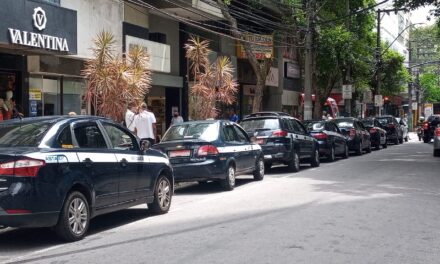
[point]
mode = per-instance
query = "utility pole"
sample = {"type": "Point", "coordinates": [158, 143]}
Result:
{"type": "Point", "coordinates": [378, 60]}
{"type": "Point", "coordinates": [410, 84]}
{"type": "Point", "coordinates": [348, 70]}
{"type": "Point", "coordinates": [308, 67]}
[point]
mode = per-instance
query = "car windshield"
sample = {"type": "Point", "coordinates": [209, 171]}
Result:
{"type": "Point", "coordinates": [344, 123]}
{"type": "Point", "coordinates": [202, 131]}
{"type": "Point", "coordinates": [23, 134]}
{"type": "Point", "coordinates": [260, 123]}
{"type": "Point", "coordinates": [314, 126]}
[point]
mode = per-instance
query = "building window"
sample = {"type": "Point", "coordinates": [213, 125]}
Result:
{"type": "Point", "coordinates": [56, 2]}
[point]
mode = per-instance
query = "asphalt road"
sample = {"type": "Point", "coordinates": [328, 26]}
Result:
{"type": "Point", "coordinates": [382, 207]}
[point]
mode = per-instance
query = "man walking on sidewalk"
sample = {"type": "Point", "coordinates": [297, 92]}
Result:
{"type": "Point", "coordinates": [145, 124]}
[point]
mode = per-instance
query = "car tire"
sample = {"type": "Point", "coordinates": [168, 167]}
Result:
{"type": "Point", "coordinates": [401, 140]}
{"type": "Point", "coordinates": [359, 149]}
{"type": "Point", "coordinates": [436, 152]}
{"type": "Point", "coordinates": [315, 159]}
{"type": "Point", "coordinates": [377, 147]}
{"type": "Point", "coordinates": [331, 156]}
{"type": "Point", "coordinates": [346, 152]}
{"type": "Point", "coordinates": [74, 219]}
{"type": "Point", "coordinates": [369, 148]}
{"type": "Point", "coordinates": [259, 170]}
{"type": "Point", "coordinates": [294, 164]}
{"type": "Point", "coordinates": [163, 193]}
{"type": "Point", "coordinates": [406, 139]}
{"type": "Point", "coordinates": [229, 182]}
{"type": "Point", "coordinates": [386, 143]}
{"type": "Point", "coordinates": [396, 141]}
{"type": "Point", "coordinates": [267, 166]}
{"type": "Point", "coordinates": [426, 139]}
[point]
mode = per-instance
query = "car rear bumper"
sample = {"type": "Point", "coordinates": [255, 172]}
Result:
{"type": "Point", "coordinates": [375, 139]}
{"type": "Point", "coordinates": [46, 219]}
{"type": "Point", "coordinates": [208, 169]}
{"type": "Point", "coordinates": [276, 152]}
{"type": "Point", "coordinates": [437, 143]}
{"type": "Point", "coordinates": [353, 144]}
{"type": "Point", "coordinates": [324, 148]}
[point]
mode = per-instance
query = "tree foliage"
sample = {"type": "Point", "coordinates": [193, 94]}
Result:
{"type": "Point", "coordinates": [430, 84]}
{"type": "Point", "coordinates": [213, 82]}
{"type": "Point", "coordinates": [394, 75]}
{"type": "Point", "coordinates": [114, 81]}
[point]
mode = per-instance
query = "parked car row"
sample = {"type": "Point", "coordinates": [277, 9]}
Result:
{"type": "Point", "coordinates": [60, 172]}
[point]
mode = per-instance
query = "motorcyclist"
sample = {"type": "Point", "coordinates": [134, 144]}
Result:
{"type": "Point", "coordinates": [420, 128]}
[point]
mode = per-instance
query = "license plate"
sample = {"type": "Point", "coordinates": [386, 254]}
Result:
{"type": "Point", "coordinates": [179, 153]}
{"type": "Point", "coordinates": [260, 141]}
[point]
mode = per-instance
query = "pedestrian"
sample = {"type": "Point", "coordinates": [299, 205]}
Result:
{"type": "Point", "coordinates": [145, 124]}
{"type": "Point", "coordinates": [233, 116]}
{"type": "Point", "coordinates": [324, 115]}
{"type": "Point", "coordinates": [329, 117]}
{"type": "Point", "coordinates": [130, 115]}
{"type": "Point", "coordinates": [177, 119]}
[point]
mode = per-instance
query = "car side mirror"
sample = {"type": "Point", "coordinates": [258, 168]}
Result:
{"type": "Point", "coordinates": [145, 145]}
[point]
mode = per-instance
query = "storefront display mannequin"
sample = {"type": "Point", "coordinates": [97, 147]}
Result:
{"type": "Point", "coordinates": [9, 104]}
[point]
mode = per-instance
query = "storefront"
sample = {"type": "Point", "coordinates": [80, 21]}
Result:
{"type": "Point", "coordinates": [35, 72]}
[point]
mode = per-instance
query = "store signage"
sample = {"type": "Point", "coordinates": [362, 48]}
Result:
{"type": "Point", "coordinates": [262, 46]}
{"type": "Point", "coordinates": [160, 54]}
{"type": "Point", "coordinates": [291, 70]}
{"type": "Point", "coordinates": [378, 101]}
{"type": "Point", "coordinates": [38, 25]}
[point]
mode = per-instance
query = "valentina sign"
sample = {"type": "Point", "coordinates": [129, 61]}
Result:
{"type": "Point", "coordinates": [38, 40]}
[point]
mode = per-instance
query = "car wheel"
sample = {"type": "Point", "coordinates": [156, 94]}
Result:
{"type": "Point", "coordinates": [74, 218]}
{"type": "Point", "coordinates": [163, 193]}
{"type": "Point", "coordinates": [369, 147]}
{"type": "Point", "coordinates": [331, 156]}
{"type": "Point", "coordinates": [426, 139]}
{"type": "Point", "coordinates": [386, 143]}
{"type": "Point", "coordinates": [259, 170]}
{"type": "Point", "coordinates": [359, 149]}
{"type": "Point", "coordinates": [229, 182]}
{"type": "Point", "coordinates": [346, 152]}
{"type": "Point", "coordinates": [293, 164]}
{"type": "Point", "coordinates": [315, 159]}
{"type": "Point", "coordinates": [267, 166]}
{"type": "Point", "coordinates": [401, 140]}
{"type": "Point", "coordinates": [436, 152]}
{"type": "Point", "coordinates": [406, 139]}
{"type": "Point", "coordinates": [396, 141]}
{"type": "Point", "coordinates": [377, 147]}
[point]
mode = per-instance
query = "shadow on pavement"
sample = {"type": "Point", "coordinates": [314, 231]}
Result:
{"type": "Point", "coordinates": [208, 187]}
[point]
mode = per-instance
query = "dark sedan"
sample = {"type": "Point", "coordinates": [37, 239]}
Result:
{"type": "Point", "coordinates": [61, 171]}
{"type": "Point", "coordinates": [378, 135]}
{"type": "Point", "coordinates": [394, 131]}
{"type": "Point", "coordinates": [211, 150]}
{"type": "Point", "coordinates": [331, 140]}
{"type": "Point", "coordinates": [357, 135]}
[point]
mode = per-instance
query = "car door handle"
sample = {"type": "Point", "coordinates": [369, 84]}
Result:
{"type": "Point", "coordinates": [124, 162]}
{"type": "Point", "coordinates": [88, 162]}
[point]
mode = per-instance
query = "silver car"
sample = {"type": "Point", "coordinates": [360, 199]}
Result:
{"type": "Point", "coordinates": [437, 142]}
{"type": "Point", "coordinates": [404, 127]}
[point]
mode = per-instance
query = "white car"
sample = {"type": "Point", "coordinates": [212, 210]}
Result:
{"type": "Point", "coordinates": [437, 142]}
{"type": "Point", "coordinates": [404, 127]}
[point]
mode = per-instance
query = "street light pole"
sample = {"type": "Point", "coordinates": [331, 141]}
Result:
{"type": "Point", "coordinates": [378, 60]}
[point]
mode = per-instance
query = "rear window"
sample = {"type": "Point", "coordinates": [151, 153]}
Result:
{"type": "Point", "coordinates": [260, 123]}
{"type": "Point", "coordinates": [384, 120]}
{"type": "Point", "coordinates": [23, 134]}
{"type": "Point", "coordinates": [202, 131]}
{"type": "Point", "coordinates": [344, 123]}
{"type": "Point", "coordinates": [317, 126]}
{"type": "Point", "coordinates": [368, 122]}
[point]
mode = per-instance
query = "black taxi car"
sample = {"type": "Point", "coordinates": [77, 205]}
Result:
{"type": "Point", "coordinates": [211, 150]}
{"type": "Point", "coordinates": [284, 139]}
{"type": "Point", "coordinates": [62, 171]}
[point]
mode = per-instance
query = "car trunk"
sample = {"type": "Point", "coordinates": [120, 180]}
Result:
{"type": "Point", "coordinates": [9, 155]}
{"type": "Point", "coordinates": [182, 151]}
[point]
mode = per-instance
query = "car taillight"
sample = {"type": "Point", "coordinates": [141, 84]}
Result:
{"type": "Point", "coordinates": [279, 133]}
{"type": "Point", "coordinates": [373, 130]}
{"type": "Point", "coordinates": [426, 125]}
{"type": "Point", "coordinates": [207, 150]}
{"type": "Point", "coordinates": [352, 133]}
{"type": "Point", "coordinates": [21, 168]}
{"type": "Point", "coordinates": [437, 132]}
{"type": "Point", "coordinates": [320, 136]}
{"type": "Point", "coordinates": [391, 126]}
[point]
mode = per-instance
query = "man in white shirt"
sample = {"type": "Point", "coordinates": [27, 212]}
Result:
{"type": "Point", "coordinates": [145, 124]}
{"type": "Point", "coordinates": [130, 116]}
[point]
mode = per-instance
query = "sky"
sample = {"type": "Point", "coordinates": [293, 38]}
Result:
{"type": "Point", "coordinates": [419, 16]}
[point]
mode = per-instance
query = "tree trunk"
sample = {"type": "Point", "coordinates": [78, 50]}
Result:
{"type": "Point", "coordinates": [261, 69]}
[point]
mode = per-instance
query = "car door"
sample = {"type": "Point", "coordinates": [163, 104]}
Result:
{"type": "Point", "coordinates": [133, 179]}
{"type": "Point", "coordinates": [364, 134]}
{"type": "Point", "coordinates": [97, 161]}
{"type": "Point", "coordinates": [306, 141]}
{"type": "Point", "coordinates": [232, 147]}
{"type": "Point", "coordinates": [338, 139]}
{"type": "Point", "coordinates": [249, 157]}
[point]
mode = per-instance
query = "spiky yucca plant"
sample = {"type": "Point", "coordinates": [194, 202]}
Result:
{"type": "Point", "coordinates": [213, 83]}
{"type": "Point", "coordinates": [114, 81]}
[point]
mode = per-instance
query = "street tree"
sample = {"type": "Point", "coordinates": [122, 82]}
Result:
{"type": "Point", "coordinates": [213, 83]}
{"type": "Point", "coordinates": [114, 81]}
{"type": "Point", "coordinates": [430, 85]}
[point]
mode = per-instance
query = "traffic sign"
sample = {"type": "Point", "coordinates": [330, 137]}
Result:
{"type": "Point", "coordinates": [347, 92]}
{"type": "Point", "coordinates": [378, 101]}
